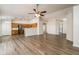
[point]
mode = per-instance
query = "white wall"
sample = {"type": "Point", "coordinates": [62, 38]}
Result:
{"type": "Point", "coordinates": [52, 25]}
{"type": "Point", "coordinates": [0, 28]}
{"type": "Point", "coordinates": [40, 26]}
{"type": "Point", "coordinates": [6, 27]}
{"type": "Point", "coordinates": [76, 26]}
{"type": "Point", "coordinates": [21, 21]}
{"type": "Point", "coordinates": [69, 26]}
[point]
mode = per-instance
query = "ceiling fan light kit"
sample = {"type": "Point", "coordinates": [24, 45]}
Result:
{"type": "Point", "coordinates": [37, 15]}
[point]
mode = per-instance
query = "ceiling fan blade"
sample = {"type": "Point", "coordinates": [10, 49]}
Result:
{"type": "Point", "coordinates": [43, 11]}
{"type": "Point", "coordinates": [34, 10]}
{"type": "Point", "coordinates": [41, 14]}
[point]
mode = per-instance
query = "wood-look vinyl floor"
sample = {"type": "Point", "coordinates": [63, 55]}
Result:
{"type": "Point", "coordinates": [36, 45]}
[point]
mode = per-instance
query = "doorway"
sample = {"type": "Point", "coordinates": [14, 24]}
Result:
{"type": "Point", "coordinates": [60, 28]}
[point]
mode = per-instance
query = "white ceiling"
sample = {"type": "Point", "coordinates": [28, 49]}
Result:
{"type": "Point", "coordinates": [24, 9]}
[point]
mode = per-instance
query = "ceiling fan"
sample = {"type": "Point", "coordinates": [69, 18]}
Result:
{"type": "Point", "coordinates": [37, 12]}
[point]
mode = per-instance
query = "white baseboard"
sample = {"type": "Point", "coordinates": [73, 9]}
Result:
{"type": "Point", "coordinates": [69, 39]}
{"type": "Point", "coordinates": [53, 33]}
